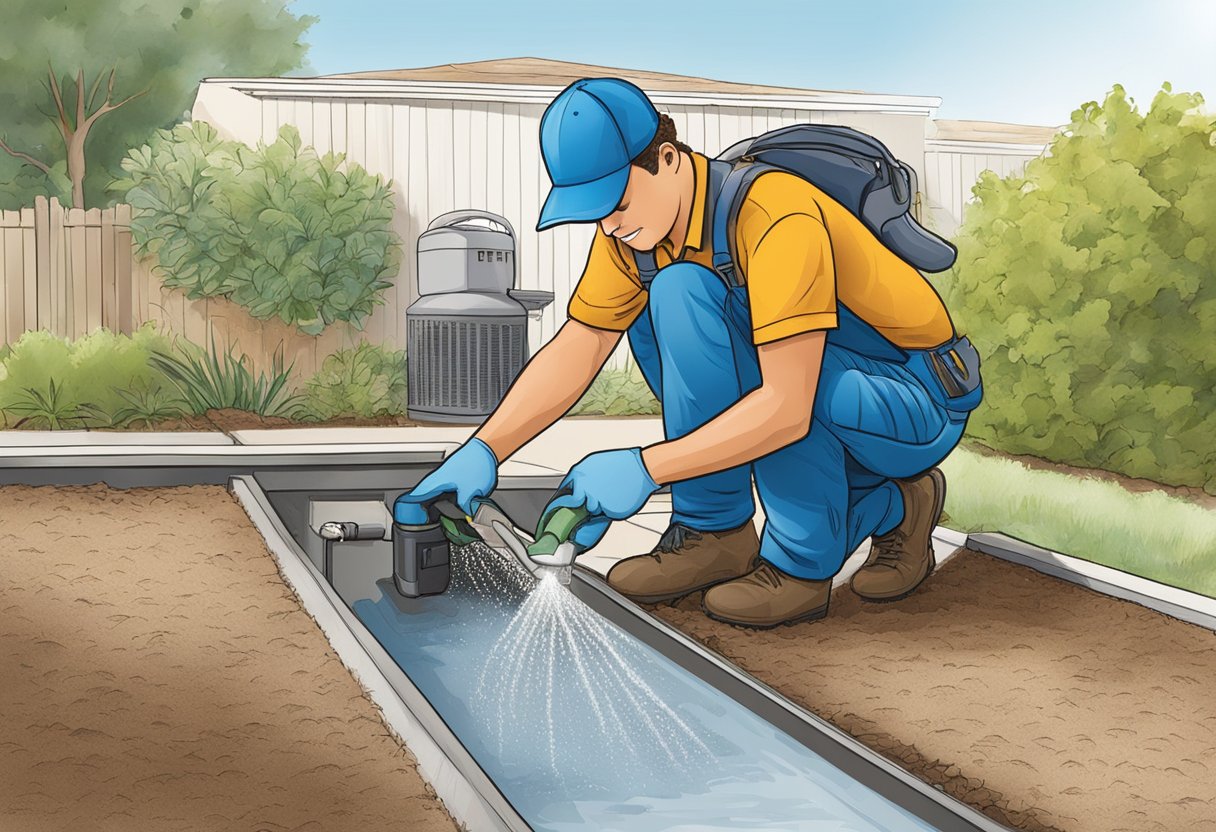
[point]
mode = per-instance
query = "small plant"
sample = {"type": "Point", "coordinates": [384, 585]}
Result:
{"type": "Point", "coordinates": [367, 381]}
{"type": "Point", "coordinates": [207, 382]}
{"type": "Point", "coordinates": [50, 409]}
{"type": "Point", "coordinates": [146, 407]}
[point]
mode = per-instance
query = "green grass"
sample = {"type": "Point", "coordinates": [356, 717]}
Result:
{"type": "Point", "coordinates": [1151, 534]}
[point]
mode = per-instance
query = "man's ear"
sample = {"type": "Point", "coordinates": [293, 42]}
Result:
{"type": "Point", "coordinates": [669, 156]}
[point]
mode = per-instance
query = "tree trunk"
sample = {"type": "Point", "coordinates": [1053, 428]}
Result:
{"type": "Point", "coordinates": [76, 167]}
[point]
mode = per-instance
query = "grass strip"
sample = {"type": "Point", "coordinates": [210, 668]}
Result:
{"type": "Point", "coordinates": [1150, 534]}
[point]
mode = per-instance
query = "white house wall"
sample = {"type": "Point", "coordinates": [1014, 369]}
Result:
{"type": "Point", "coordinates": [953, 168]}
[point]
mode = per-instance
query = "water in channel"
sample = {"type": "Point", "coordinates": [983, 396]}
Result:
{"type": "Point", "coordinates": [582, 727]}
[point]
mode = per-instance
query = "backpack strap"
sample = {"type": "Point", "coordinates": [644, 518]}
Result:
{"type": "Point", "coordinates": [735, 185]}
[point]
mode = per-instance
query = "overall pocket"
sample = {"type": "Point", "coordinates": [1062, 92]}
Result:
{"type": "Point", "coordinates": [951, 374]}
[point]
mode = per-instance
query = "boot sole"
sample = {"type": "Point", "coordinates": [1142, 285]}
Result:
{"type": "Point", "coordinates": [813, 615]}
{"type": "Point", "coordinates": [681, 595]}
{"type": "Point", "coordinates": [938, 508]}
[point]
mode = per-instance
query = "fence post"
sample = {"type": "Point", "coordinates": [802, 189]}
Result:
{"type": "Point", "coordinates": [59, 256]}
{"type": "Point", "coordinates": [42, 240]}
{"type": "Point", "coordinates": [109, 287]}
{"type": "Point", "coordinates": [29, 252]}
{"type": "Point", "coordinates": [123, 273]}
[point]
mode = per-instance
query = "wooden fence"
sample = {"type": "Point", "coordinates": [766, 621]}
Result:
{"type": "Point", "coordinates": [71, 271]}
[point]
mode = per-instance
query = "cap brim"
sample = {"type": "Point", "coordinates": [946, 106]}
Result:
{"type": "Point", "coordinates": [584, 202]}
{"type": "Point", "coordinates": [920, 247]}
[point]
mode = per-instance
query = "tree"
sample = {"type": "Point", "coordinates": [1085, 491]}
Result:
{"type": "Point", "coordinates": [83, 82]}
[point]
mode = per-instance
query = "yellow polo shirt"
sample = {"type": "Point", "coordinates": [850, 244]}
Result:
{"type": "Point", "coordinates": [798, 251]}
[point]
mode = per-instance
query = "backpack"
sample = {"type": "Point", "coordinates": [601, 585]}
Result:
{"type": "Point", "coordinates": [853, 168]}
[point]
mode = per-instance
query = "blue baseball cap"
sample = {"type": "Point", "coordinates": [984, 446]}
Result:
{"type": "Point", "coordinates": [588, 136]}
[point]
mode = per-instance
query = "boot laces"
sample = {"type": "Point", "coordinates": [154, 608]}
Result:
{"type": "Point", "coordinates": [887, 549]}
{"type": "Point", "coordinates": [675, 537]}
{"type": "Point", "coordinates": [767, 575]}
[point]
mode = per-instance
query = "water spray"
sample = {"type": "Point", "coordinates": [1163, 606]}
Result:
{"type": "Point", "coordinates": [423, 534]}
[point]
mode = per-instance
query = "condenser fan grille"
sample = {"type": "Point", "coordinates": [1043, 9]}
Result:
{"type": "Point", "coordinates": [462, 366]}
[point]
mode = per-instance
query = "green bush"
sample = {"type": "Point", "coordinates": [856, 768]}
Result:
{"type": "Point", "coordinates": [52, 382]}
{"type": "Point", "coordinates": [275, 229]}
{"type": "Point", "coordinates": [618, 392]}
{"type": "Point", "coordinates": [1088, 285]}
{"type": "Point", "coordinates": [367, 381]}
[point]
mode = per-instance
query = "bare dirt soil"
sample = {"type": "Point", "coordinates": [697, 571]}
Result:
{"type": "Point", "coordinates": [157, 673]}
{"type": "Point", "coordinates": [1045, 705]}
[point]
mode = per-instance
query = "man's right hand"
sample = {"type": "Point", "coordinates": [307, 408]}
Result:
{"type": "Point", "coordinates": [471, 472]}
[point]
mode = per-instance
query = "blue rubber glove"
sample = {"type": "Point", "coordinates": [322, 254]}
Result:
{"type": "Point", "coordinates": [471, 472]}
{"type": "Point", "coordinates": [612, 485]}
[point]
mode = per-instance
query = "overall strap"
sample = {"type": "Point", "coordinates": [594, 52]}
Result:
{"type": "Point", "coordinates": [647, 268]}
{"type": "Point", "coordinates": [719, 173]}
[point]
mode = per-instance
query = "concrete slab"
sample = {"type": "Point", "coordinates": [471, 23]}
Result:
{"type": "Point", "coordinates": [327, 436]}
{"type": "Point", "coordinates": [100, 438]}
{"type": "Point", "coordinates": [560, 446]}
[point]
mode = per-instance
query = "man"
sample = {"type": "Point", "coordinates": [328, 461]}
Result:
{"type": "Point", "coordinates": [841, 439]}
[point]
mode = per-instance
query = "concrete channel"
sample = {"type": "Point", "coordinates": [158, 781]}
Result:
{"type": "Point", "coordinates": [280, 488]}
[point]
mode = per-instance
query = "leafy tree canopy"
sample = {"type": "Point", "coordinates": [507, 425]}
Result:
{"type": "Point", "coordinates": [158, 51]}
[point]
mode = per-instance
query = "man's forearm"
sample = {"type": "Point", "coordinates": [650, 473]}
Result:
{"type": "Point", "coordinates": [772, 416]}
{"type": "Point", "coordinates": [549, 385]}
{"type": "Point", "coordinates": [750, 428]}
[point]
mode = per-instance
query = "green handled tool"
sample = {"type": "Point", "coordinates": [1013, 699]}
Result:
{"type": "Point", "coordinates": [552, 551]}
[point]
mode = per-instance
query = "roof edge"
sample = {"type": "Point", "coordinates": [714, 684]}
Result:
{"type": "Point", "coordinates": [323, 87]}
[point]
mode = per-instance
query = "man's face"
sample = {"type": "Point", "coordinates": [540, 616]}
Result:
{"type": "Point", "coordinates": [651, 203]}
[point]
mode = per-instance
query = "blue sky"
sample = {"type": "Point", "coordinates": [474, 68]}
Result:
{"type": "Point", "coordinates": [1029, 61]}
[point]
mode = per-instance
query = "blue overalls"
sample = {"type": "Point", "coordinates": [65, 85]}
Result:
{"type": "Point", "coordinates": [879, 412]}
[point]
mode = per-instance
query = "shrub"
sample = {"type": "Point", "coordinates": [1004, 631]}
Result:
{"type": "Point", "coordinates": [205, 381]}
{"type": "Point", "coordinates": [618, 392]}
{"type": "Point", "coordinates": [367, 381]}
{"type": "Point", "coordinates": [275, 229]}
{"type": "Point", "coordinates": [1089, 286]}
{"type": "Point", "coordinates": [59, 383]}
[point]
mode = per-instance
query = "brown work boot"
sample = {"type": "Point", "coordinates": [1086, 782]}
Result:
{"type": "Point", "coordinates": [686, 560]}
{"type": "Point", "coordinates": [901, 559]}
{"type": "Point", "coordinates": [767, 597]}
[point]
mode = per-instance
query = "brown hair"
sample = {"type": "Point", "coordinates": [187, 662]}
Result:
{"type": "Point", "coordinates": [649, 158]}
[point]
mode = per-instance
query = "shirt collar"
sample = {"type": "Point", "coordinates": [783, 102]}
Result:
{"type": "Point", "coordinates": [694, 236]}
